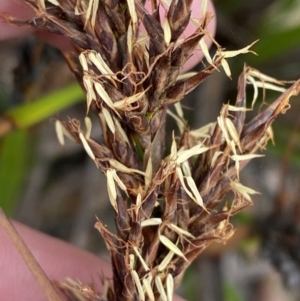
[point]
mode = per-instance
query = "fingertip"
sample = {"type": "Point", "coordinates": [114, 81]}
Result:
{"type": "Point", "coordinates": [197, 14]}
{"type": "Point", "coordinates": [61, 42]}
{"type": "Point", "coordinates": [17, 9]}
{"type": "Point", "coordinates": [58, 259]}
{"type": "Point", "coordinates": [21, 11]}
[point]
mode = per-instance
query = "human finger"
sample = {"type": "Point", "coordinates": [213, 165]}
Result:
{"type": "Point", "coordinates": [57, 258]}
{"type": "Point", "coordinates": [20, 10]}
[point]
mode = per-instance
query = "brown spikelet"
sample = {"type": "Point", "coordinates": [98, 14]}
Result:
{"type": "Point", "coordinates": [169, 203]}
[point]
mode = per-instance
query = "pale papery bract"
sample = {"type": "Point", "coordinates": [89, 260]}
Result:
{"type": "Point", "coordinates": [170, 202]}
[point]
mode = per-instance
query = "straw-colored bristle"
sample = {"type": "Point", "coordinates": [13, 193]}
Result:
{"type": "Point", "coordinates": [168, 201]}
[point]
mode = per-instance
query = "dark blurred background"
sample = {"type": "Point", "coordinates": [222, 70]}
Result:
{"type": "Point", "coordinates": [59, 191]}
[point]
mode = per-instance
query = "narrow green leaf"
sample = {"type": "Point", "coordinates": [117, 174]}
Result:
{"type": "Point", "coordinates": [30, 113]}
{"type": "Point", "coordinates": [14, 156]}
{"type": "Point", "coordinates": [271, 46]}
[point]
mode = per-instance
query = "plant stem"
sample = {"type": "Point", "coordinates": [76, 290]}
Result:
{"type": "Point", "coordinates": [29, 259]}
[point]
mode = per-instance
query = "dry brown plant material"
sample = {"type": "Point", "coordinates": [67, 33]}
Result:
{"type": "Point", "coordinates": [168, 208]}
{"type": "Point", "coordinates": [37, 272]}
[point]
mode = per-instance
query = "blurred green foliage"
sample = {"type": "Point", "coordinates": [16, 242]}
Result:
{"type": "Point", "coordinates": [277, 26]}
{"type": "Point", "coordinates": [230, 293]}
{"type": "Point", "coordinates": [15, 148]}
{"type": "Point", "coordinates": [14, 158]}
{"type": "Point", "coordinates": [190, 284]}
{"type": "Point", "coordinates": [28, 114]}
{"type": "Point", "coordinates": [275, 23]}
